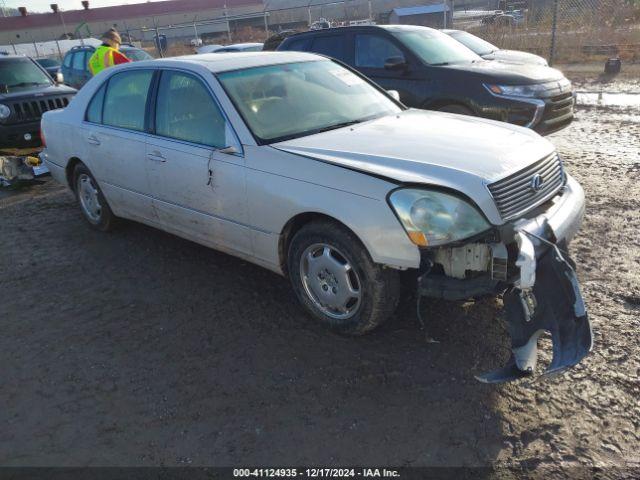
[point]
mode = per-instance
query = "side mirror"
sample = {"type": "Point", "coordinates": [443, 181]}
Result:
{"type": "Point", "coordinates": [59, 78]}
{"type": "Point", "coordinates": [394, 94]}
{"type": "Point", "coordinates": [395, 63]}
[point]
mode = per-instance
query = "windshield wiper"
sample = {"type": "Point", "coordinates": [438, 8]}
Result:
{"type": "Point", "coordinates": [335, 126]}
{"type": "Point", "coordinates": [442, 64]}
{"type": "Point", "coordinates": [306, 133]}
{"type": "Point", "coordinates": [26, 84]}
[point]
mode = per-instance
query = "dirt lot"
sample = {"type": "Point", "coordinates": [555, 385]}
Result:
{"type": "Point", "coordinates": [139, 348]}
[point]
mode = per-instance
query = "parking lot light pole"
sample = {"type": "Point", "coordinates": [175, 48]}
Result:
{"type": "Point", "coordinates": [195, 29]}
{"type": "Point", "coordinates": [126, 29]}
{"type": "Point", "coordinates": [158, 42]}
{"type": "Point", "coordinates": [453, 9]}
{"type": "Point", "coordinates": [226, 16]}
{"type": "Point", "coordinates": [554, 28]}
{"type": "Point", "coordinates": [448, 14]}
{"type": "Point", "coordinates": [64, 25]}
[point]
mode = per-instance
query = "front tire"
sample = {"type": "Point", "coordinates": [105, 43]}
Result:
{"type": "Point", "coordinates": [93, 205]}
{"type": "Point", "coordinates": [337, 282]}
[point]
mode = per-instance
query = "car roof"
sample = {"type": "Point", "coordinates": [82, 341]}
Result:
{"type": "Point", "coordinates": [390, 28]}
{"type": "Point", "coordinates": [235, 45]}
{"type": "Point", "coordinates": [233, 60]}
{"type": "Point", "coordinates": [334, 29]}
{"type": "Point", "coordinates": [8, 56]}
{"type": "Point", "coordinates": [81, 48]}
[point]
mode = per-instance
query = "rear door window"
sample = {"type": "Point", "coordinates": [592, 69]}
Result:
{"type": "Point", "coordinates": [125, 101]}
{"type": "Point", "coordinates": [299, 45]}
{"type": "Point", "coordinates": [94, 111]}
{"type": "Point", "coordinates": [332, 46]}
{"type": "Point", "coordinates": [79, 62]}
{"type": "Point", "coordinates": [372, 51]}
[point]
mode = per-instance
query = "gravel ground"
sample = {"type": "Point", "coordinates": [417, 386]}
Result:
{"type": "Point", "coordinates": [140, 348]}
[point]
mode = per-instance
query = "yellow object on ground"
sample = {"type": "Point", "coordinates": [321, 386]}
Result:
{"type": "Point", "coordinates": [32, 161]}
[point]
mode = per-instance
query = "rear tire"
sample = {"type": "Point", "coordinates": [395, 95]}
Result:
{"type": "Point", "coordinates": [455, 108]}
{"type": "Point", "coordinates": [93, 205]}
{"type": "Point", "coordinates": [337, 282]}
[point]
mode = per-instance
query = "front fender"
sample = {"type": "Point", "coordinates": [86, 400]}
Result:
{"type": "Point", "coordinates": [287, 185]}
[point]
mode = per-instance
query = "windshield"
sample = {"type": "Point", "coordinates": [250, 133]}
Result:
{"type": "Point", "coordinates": [280, 102]}
{"type": "Point", "coordinates": [478, 45]}
{"type": "Point", "coordinates": [21, 73]}
{"type": "Point", "coordinates": [435, 48]}
{"type": "Point", "coordinates": [136, 55]}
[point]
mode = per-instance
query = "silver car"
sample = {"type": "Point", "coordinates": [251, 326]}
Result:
{"type": "Point", "coordinates": [296, 163]}
{"type": "Point", "coordinates": [488, 51]}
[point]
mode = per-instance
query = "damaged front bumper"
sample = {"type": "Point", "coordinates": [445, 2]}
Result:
{"type": "Point", "coordinates": [19, 169]}
{"type": "Point", "coordinates": [528, 263]}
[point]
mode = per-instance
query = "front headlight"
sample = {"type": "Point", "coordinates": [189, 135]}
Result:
{"type": "Point", "coordinates": [436, 218]}
{"type": "Point", "coordinates": [5, 111]}
{"type": "Point", "coordinates": [529, 91]}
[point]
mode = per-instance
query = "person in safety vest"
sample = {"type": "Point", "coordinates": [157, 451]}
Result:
{"type": "Point", "coordinates": [107, 54]}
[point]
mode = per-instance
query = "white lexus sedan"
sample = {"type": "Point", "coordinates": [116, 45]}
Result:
{"type": "Point", "coordinates": [296, 163]}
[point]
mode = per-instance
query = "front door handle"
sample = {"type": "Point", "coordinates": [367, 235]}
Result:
{"type": "Point", "coordinates": [156, 156]}
{"type": "Point", "coordinates": [231, 150]}
{"type": "Point", "coordinates": [93, 140]}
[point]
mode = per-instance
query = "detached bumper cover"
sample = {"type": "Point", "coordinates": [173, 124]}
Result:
{"type": "Point", "coordinates": [555, 304]}
{"type": "Point", "coordinates": [544, 296]}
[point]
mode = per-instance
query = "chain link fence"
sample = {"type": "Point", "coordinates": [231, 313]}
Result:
{"type": "Point", "coordinates": [559, 30]}
{"type": "Point", "coordinates": [564, 31]}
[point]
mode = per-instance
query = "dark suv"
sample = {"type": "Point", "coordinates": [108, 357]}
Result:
{"type": "Point", "coordinates": [433, 71]}
{"type": "Point", "coordinates": [75, 66]}
{"type": "Point", "coordinates": [26, 92]}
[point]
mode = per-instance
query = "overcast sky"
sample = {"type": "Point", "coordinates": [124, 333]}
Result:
{"type": "Point", "coordinates": [43, 5]}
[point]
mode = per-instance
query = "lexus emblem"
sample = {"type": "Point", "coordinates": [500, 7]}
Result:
{"type": "Point", "coordinates": [537, 182]}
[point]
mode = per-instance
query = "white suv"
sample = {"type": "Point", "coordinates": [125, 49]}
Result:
{"type": "Point", "coordinates": [298, 164]}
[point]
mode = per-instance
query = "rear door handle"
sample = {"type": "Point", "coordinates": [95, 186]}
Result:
{"type": "Point", "coordinates": [93, 140]}
{"type": "Point", "coordinates": [156, 157]}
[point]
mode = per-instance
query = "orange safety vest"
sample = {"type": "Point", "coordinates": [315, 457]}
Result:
{"type": "Point", "coordinates": [105, 57]}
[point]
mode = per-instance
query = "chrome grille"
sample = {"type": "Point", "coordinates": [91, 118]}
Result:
{"type": "Point", "coordinates": [515, 194]}
{"type": "Point", "coordinates": [30, 110]}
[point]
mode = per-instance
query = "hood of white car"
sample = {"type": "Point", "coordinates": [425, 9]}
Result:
{"type": "Point", "coordinates": [418, 146]}
{"type": "Point", "coordinates": [515, 56]}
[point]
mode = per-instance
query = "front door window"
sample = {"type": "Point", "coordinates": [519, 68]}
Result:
{"type": "Point", "coordinates": [372, 51]}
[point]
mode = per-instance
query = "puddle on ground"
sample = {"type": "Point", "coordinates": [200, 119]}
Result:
{"type": "Point", "coordinates": [605, 99]}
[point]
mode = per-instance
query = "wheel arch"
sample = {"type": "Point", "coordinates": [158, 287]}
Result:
{"type": "Point", "coordinates": [71, 166]}
{"type": "Point", "coordinates": [296, 223]}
